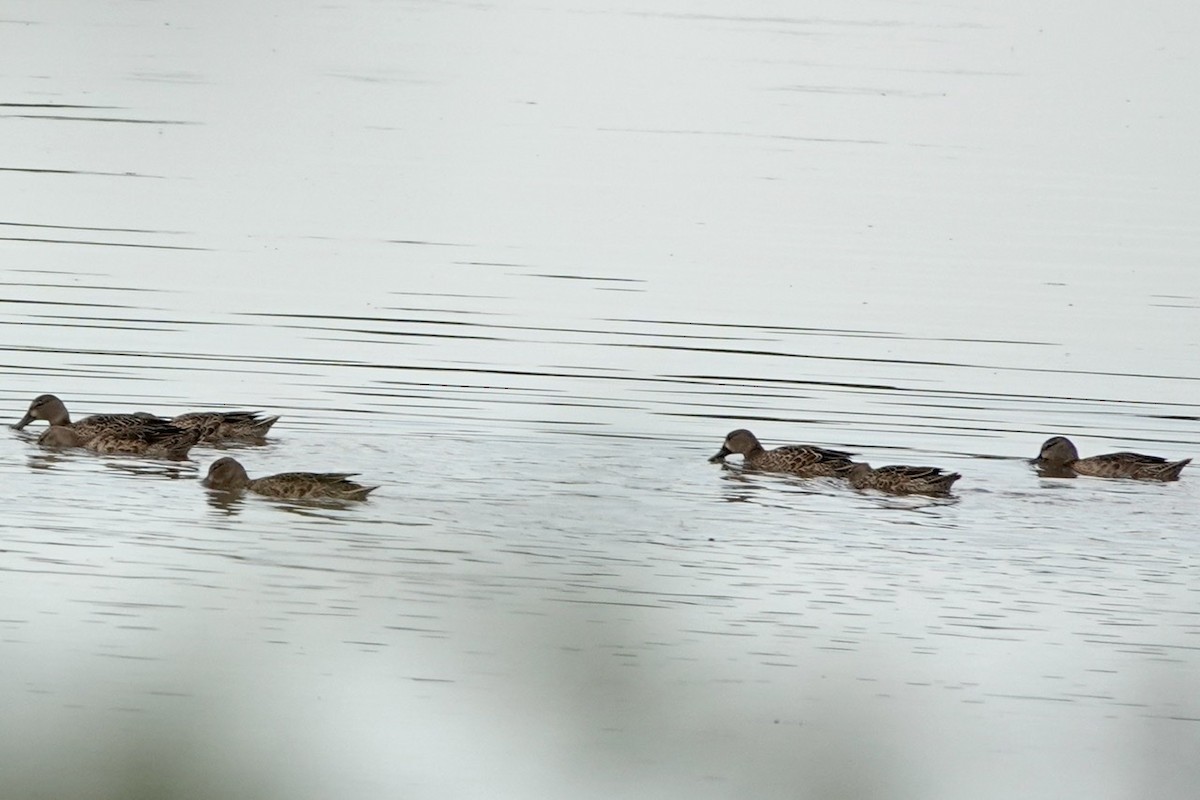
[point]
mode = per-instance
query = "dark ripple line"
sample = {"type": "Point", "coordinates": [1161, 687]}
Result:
{"type": "Point", "coordinates": [516, 373]}
{"type": "Point", "coordinates": [499, 326]}
{"type": "Point", "coordinates": [62, 319]}
{"type": "Point", "coordinates": [416, 334]}
{"type": "Point", "coordinates": [64, 118]}
{"type": "Point", "coordinates": [204, 358]}
{"type": "Point", "coordinates": [605, 603]}
{"type": "Point", "coordinates": [1030, 697]}
{"type": "Point", "coordinates": [99, 244]}
{"type": "Point", "coordinates": [845, 332]}
{"type": "Point", "coordinates": [450, 294]}
{"type": "Point", "coordinates": [906, 423]}
{"type": "Point", "coordinates": [584, 278]}
{"type": "Point", "coordinates": [705, 380]}
{"type": "Point", "coordinates": [83, 228]}
{"type": "Point", "coordinates": [49, 171]}
{"type": "Point", "coordinates": [1116, 640]}
{"type": "Point", "coordinates": [903, 362]}
{"type": "Point", "coordinates": [70, 304]}
{"type": "Point", "coordinates": [54, 105]}
{"type": "Point", "coordinates": [88, 286]}
{"type": "Point", "coordinates": [427, 243]}
{"type": "Point", "coordinates": [853, 332]}
{"type": "Point", "coordinates": [534, 399]}
{"type": "Point", "coordinates": [295, 360]}
{"type": "Point", "coordinates": [96, 325]}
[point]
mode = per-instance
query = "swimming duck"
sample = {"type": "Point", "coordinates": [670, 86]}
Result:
{"type": "Point", "coordinates": [226, 425]}
{"type": "Point", "coordinates": [806, 460]}
{"type": "Point", "coordinates": [229, 475]}
{"type": "Point", "coordinates": [1059, 458]}
{"type": "Point", "coordinates": [52, 410]}
{"type": "Point", "coordinates": [165, 441]}
{"type": "Point", "coordinates": [901, 479]}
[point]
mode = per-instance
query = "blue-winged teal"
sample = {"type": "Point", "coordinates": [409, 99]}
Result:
{"type": "Point", "coordinates": [52, 410]}
{"type": "Point", "coordinates": [164, 441]}
{"type": "Point", "coordinates": [1059, 458]}
{"type": "Point", "coordinates": [249, 426]}
{"type": "Point", "coordinates": [901, 479]}
{"type": "Point", "coordinates": [227, 474]}
{"type": "Point", "coordinates": [807, 460]}
{"type": "Point", "coordinates": [218, 426]}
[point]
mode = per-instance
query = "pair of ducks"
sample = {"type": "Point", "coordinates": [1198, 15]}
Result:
{"type": "Point", "coordinates": [1057, 458]}
{"type": "Point", "coordinates": [144, 434]}
{"type": "Point", "coordinates": [810, 461]}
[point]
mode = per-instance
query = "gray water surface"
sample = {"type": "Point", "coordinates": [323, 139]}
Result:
{"type": "Point", "coordinates": [524, 267]}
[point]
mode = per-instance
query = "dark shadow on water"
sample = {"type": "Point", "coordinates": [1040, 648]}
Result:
{"type": "Point", "coordinates": [1052, 471]}
{"type": "Point", "coordinates": [908, 502]}
{"type": "Point", "coordinates": [247, 443]}
{"type": "Point", "coordinates": [158, 469]}
{"type": "Point", "coordinates": [46, 460]}
{"type": "Point", "coordinates": [231, 504]}
{"type": "Point", "coordinates": [747, 482]}
{"type": "Point", "coordinates": [316, 509]}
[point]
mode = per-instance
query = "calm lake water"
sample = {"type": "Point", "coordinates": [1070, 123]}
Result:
{"type": "Point", "coordinates": [524, 266]}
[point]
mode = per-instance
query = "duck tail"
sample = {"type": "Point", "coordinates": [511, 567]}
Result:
{"type": "Point", "coordinates": [362, 492]}
{"type": "Point", "coordinates": [1172, 469]}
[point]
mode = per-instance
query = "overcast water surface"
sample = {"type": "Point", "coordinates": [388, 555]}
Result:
{"type": "Point", "coordinates": [524, 266]}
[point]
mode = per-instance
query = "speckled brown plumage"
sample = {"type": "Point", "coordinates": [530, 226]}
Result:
{"type": "Point", "coordinates": [227, 425]}
{"type": "Point", "coordinates": [228, 475]}
{"type": "Point", "coordinates": [154, 441]}
{"type": "Point", "coordinates": [51, 409]}
{"type": "Point", "coordinates": [806, 460]}
{"type": "Point", "coordinates": [1059, 457]}
{"type": "Point", "coordinates": [902, 479]}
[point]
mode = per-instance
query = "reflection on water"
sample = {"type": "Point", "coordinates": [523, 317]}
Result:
{"type": "Point", "coordinates": [527, 284]}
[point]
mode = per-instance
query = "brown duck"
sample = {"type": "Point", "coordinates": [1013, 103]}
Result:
{"type": "Point", "coordinates": [49, 408]}
{"type": "Point", "coordinates": [229, 475]}
{"type": "Point", "coordinates": [1059, 458]}
{"type": "Point", "coordinates": [901, 479]}
{"type": "Point", "coordinates": [164, 441]}
{"type": "Point", "coordinates": [806, 460]}
{"type": "Point", "coordinates": [226, 426]}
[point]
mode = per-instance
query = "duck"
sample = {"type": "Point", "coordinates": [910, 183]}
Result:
{"type": "Point", "coordinates": [51, 409]}
{"type": "Point", "coordinates": [1059, 458]}
{"type": "Point", "coordinates": [225, 425]}
{"type": "Point", "coordinates": [902, 479]}
{"type": "Point", "coordinates": [227, 474]}
{"type": "Point", "coordinates": [805, 460]}
{"type": "Point", "coordinates": [165, 441]}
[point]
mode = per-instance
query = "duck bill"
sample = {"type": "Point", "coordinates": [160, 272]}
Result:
{"type": "Point", "coordinates": [720, 456]}
{"type": "Point", "coordinates": [25, 420]}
